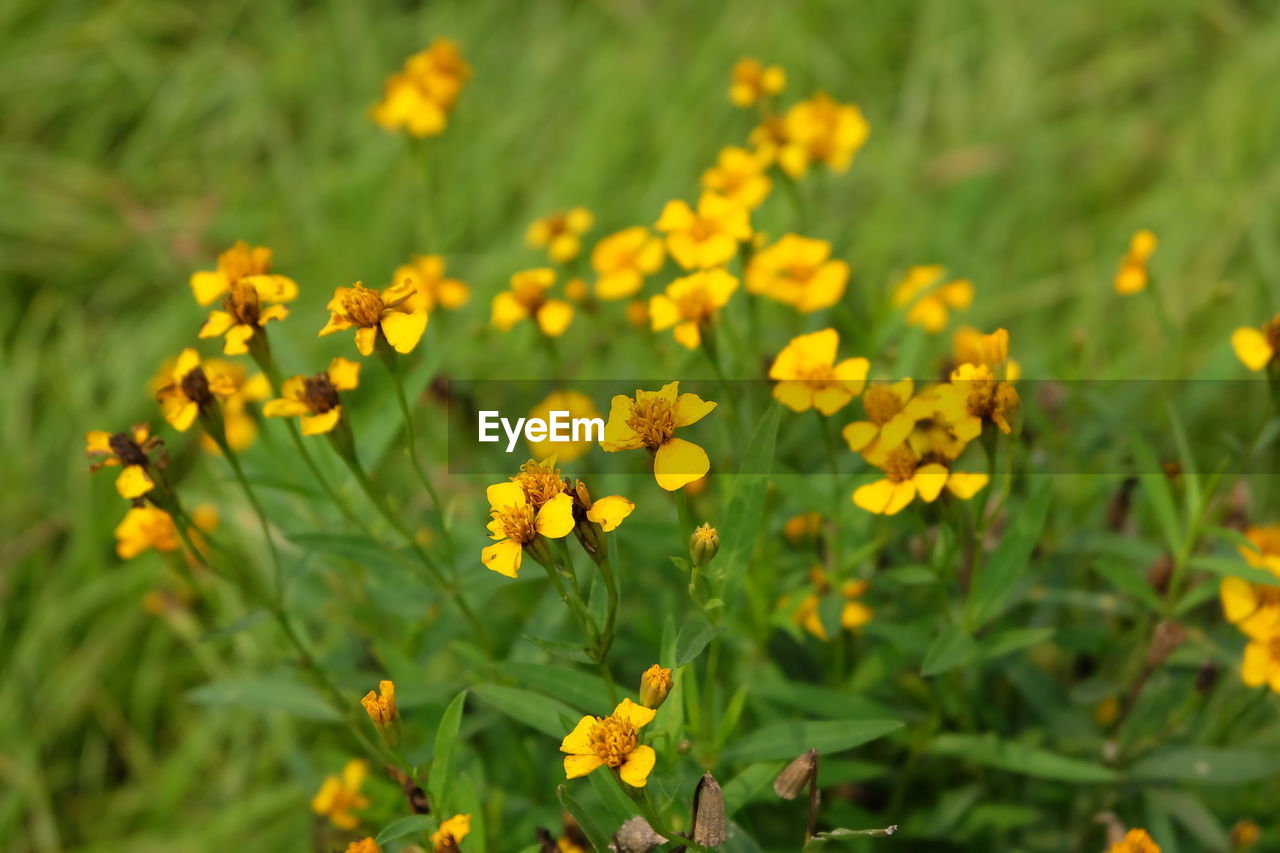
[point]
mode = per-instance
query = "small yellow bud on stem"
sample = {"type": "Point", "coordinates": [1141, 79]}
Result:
{"type": "Point", "coordinates": [703, 545]}
{"type": "Point", "coordinates": [655, 684]}
{"type": "Point", "coordinates": [382, 711]}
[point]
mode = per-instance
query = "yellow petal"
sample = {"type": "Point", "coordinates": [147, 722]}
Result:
{"type": "Point", "coordinates": [208, 286]}
{"type": "Point", "coordinates": [284, 407]}
{"type": "Point", "coordinates": [217, 324]}
{"type": "Point", "coordinates": [617, 434]}
{"type": "Point", "coordinates": [133, 482]}
{"type": "Point", "coordinates": [676, 216]}
{"type": "Point", "coordinates": [344, 375]}
{"type": "Point", "coordinates": [690, 408]}
{"type": "Point", "coordinates": [320, 424]}
{"type": "Point", "coordinates": [503, 557]}
{"type": "Point", "coordinates": [965, 485]}
{"type": "Point", "coordinates": [187, 361]}
{"type": "Point", "coordinates": [507, 310]}
{"type": "Point", "coordinates": [796, 396]}
{"type": "Point", "coordinates": [554, 317]}
{"type": "Point", "coordinates": [237, 340]}
{"type": "Point", "coordinates": [272, 312]}
{"type": "Point", "coordinates": [903, 494]}
{"type": "Point", "coordinates": [337, 323]}
{"type": "Point", "coordinates": [581, 765]}
{"type": "Point", "coordinates": [639, 764]}
{"type": "Point", "coordinates": [688, 334]}
{"type": "Point", "coordinates": [637, 715]}
{"type": "Point", "coordinates": [663, 312]}
{"type": "Point", "coordinates": [179, 411]}
{"type": "Point", "coordinates": [578, 741]}
{"type": "Point", "coordinates": [678, 463]}
{"type": "Point", "coordinates": [929, 480]}
{"type": "Point", "coordinates": [832, 398]}
{"type": "Point", "coordinates": [366, 338]}
{"type": "Point", "coordinates": [1252, 348]}
{"type": "Point", "coordinates": [555, 518]}
{"type": "Point", "coordinates": [505, 494]}
{"type": "Point", "coordinates": [859, 434]}
{"type": "Point", "coordinates": [1255, 668]}
{"type": "Point", "coordinates": [97, 441]}
{"type": "Point", "coordinates": [1238, 600]}
{"type": "Point", "coordinates": [610, 511]}
{"type": "Point", "coordinates": [403, 331]}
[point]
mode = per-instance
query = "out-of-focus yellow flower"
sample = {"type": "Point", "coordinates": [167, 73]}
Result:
{"type": "Point", "coordinates": [242, 263]}
{"type": "Point", "coordinates": [1257, 348]}
{"type": "Point", "coordinates": [809, 377]}
{"type": "Point", "coordinates": [970, 346]}
{"type": "Point", "coordinates": [517, 525]}
{"type": "Point", "coordinates": [1264, 552]}
{"type": "Point", "coordinates": [623, 260]}
{"type": "Point", "coordinates": [655, 685]}
{"type": "Point", "coordinates": [1132, 277]}
{"type": "Point", "coordinates": [650, 420]}
{"type": "Point", "coordinates": [707, 237]}
{"type": "Point", "coordinates": [339, 796]}
{"type": "Point", "coordinates": [1107, 711]}
{"type": "Point", "coordinates": [753, 80]}
{"type": "Point", "coordinates": [433, 288]}
{"type": "Point", "coordinates": [975, 397]}
{"type": "Point", "coordinates": [130, 451]}
{"type": "Point", "coordinates": [891, 415]}
{"type": "Point", "coordinates": [450, 832]}
{"type": "Point", "coordinates": [239, 423]}
{"type": "Point", "coordinates": [578, 405]}
{"type": "Point", "coordinates": [1244, 835]}
{"type": "Point", "coordinates": [193, 387]}
{"type": "Point", "coordinates": [575, 289]}
{"type": "Point", "coordinates": [315, 399]}
{"type": "Point", "coordinates": [1255, 608]}
{"type": "Point", "coordinates": [739, 175]}
{"type": "Point", "coordinates": [612, 742]}
{"type": "Point", "coordinates": [908, 474]}
{"type": "Point", "coordinates": [803, 527]}
{"type": "Point", "coordinates": [393, 311]}
{"type": "Point", "coordinates": [419, 97]}
{"type": "Point", "coordinates": [1135, 841]}
{"type": "Point", "coordinates": [931, 300]}
{"type": "Point", "coordinates": [383, 713]}
{"type": "Point", "coordinates": [560, 233]}
{"type": "Point", "coordinates": [243, 314]}
{"type": "Point", "coordinates": [528, 298]}
{"type": "Point", "coordinates": [799, 272]}
{"type": "Point", "coordinates": [1261, 663]}
{"type": "Point", "coordinates": [853, 614]}
{"type": "Point", "coordinates": [364, 845]}
{"type": "Point", "coordinates": [143, 528]}
{"type": "Point", "coordinates": [690, 303]}
{"type": "Point", "coordinates": [638, 314]}
{"type": "Point", "coordinates": [819, 130]}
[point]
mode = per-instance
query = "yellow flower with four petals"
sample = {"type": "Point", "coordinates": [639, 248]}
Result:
{"type": "Point", "coordinates": [315, 399]}
{"type": "Point", "coordinates": [650, 420]}
{"type": "Point", "coordinates": [391, 314]}
{"type": "Point", "coordinates": [612, 742]}
{"type": "Point", "coordinates": [809, 377]}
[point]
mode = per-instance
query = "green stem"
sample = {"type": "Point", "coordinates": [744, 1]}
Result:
{"type": "Point", "coordinates": [605, 640]}
{"type": "Point", "coordinates": [277, 568]}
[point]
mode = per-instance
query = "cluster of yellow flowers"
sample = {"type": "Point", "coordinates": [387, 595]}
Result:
{"type": "Point", "coordinates": [1254, 608]}
{"type": "Point", "coordinates": [419, 97]}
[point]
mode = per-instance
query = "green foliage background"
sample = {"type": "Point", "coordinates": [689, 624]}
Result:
{"type": "Point", "coordinates": [1019, 143]}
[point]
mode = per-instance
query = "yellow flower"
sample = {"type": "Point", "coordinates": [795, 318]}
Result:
{"type": "Point", "coordinates": [434, 290]}
{"type": "Point", "coordinates": [243, 315]}
{"type": "Point", "coordinates": [650, 420]}
{"type": "Point", "coordinates": [809, 378]}
{"type": "Point", "coordinates": [739, 175]}
{"type": "Point", "coordinates": [1261, 663]}
{"type": "Point", "coordinates": [381, 706]}
{"type": "Point", "coordinates": [560, 233]}
{"type": "Point", "coordinates": [930, 300]}
{"type": "Point", "coordinates": [420, 96]}
{"type": "Point", "coordinates": [339, 796]}
{"type": "Point", "coordinates": [799, 528]}
{"type": "Point", "coordinates": [1132, 276]}
{"type": "Point", "coordinates": [1265, 550]}
{"type": "Point", "coordinates": [314, 399]}
{"type": "Point", "coordinates": [517, 523]}
{"type": "Point", "coordinates": [192, 388]}
{"type": "Point", "coordinates": [1253, 608]}
{"type": "Point", "coordinates": [393, 311]}
{"type": "Point", "coordinates": [364, 845]}
{"type": "Point", "coordinates": [528, 298]}
{"type": "Point", "coordinates": [853, 614]}
{"type": "Point", "coordinates": [451, 831]}
{"type": "Point", "coordinates": [612, 742]}
{"type": "Point", "coordinates": [974, 397]}
{"type": "Point", "coordinates": [575, 289]}
{"type": "Point", "coordinates": [970, 346]}
{"type": "Point", "coordinates": [690, 303]}
{"type": "Point", "coordinates": [606, 513]}
{"type": "Point", "coordinates": [1257, 348]}
{"type": "Point", "coordinates": [129, 450]}
{"type": "Point", "coordinates": [1135, 841]}
{"type": "Point", "coordinates": [799, 272]}
{"type": "Point", "coordinates": [655, 685]}
{"type": "Point", "coordinates": [240, 425]}
{"type": "Point", "coordinates": [145, 527]}
{"type": "Point", "coordinates": [821, 130]}
{"type": "Point", "coordinates": [753, 80]}
{"type": "Point", "coordinates": [242, 263]}
{"type": "Point", "coordinates": [578, 405]}
{"type": "Point", "coordinates": [707, 237]}
{"type": "Point", "coordinates": [623, 259]}
{"type": "Point", "coordinates": [891, 415]}
{"type": "Point", "coordinates": [909, 474]}
{"type": "Point", "coordinates": [1244, 835]}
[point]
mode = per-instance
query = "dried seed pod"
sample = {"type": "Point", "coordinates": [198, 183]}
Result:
{"type": "Point", "coordinates": [1167, 637]}
{"type": "Point", "coordinates": [636, 836]}
{"type": "Point", "coordinates": [708, 813]}
{"type": "Point", "coordinates": [796, 775]}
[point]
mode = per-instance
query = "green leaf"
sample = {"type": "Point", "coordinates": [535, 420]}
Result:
{"type": "Point", "coordinates": [1234, 568]}
{"type": "Point", "coordinates": [1013, 640]}
{"type": "Point", "coordinates": [582, 690]}
{"type": "Point", "coordinates": [446, 742]}
{"type": "Point", "coordinates": [995, 578]}
{"type": "Point", "coordinates": [1155, 485]}
{"type": "Point", "coordinates": [1128, 578]}
{"type": "Point", "coordinates": [568, 651]}
{"type": "Point", "coordinates": [533, 709]}
{"type": "Point", "coordinates": [693, 638]}
{"type": "Point", "coordinates": [1020, 758]}
{"type": "Point", "coordinates": [1190, 811]}
{"type": "Point", "coordinates": [950, 649]}
{"type": "Point", "coordinates": [358, 549]}
{"type": "Point", "coordinates": [597, 835]}
{"type": "Point", "coordinates": [406, 826]}
{"type": "Point", "coordinates": [745, 509]}
{"type": "Point", "coordinates": [787, 740]}
{"type": "Point", "coordinates": [265, 694]}
{"type": "Point", "coordinates": [751, 785]}
{"type": "Point", "coordinates": [251, 618]}
{"type": "Point", "coordinates": [1207, 764]}
{"type": "Point", "coordinates": [619, 805]}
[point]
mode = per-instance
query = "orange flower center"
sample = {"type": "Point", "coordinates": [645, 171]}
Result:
{"type": "Point", "coordinates": [195, 387]}
{"type": "Point", "coordinates": [320, 394]}
{"type": "Point", "coordinates": [881, 404]}
{"type": "Point", "coordinates": [900, 465]}
{"type": "Point", "coordinates": [541, 482]}
{"type": "Point", "coordinates": [517, 522]}
{"type": "Point", "coordinates": [243, 303]}
{"type": "Point", "coordinates": [126, 449]}
{"type": "Point", "coordinates": [363, 306]}
{"type": "Point", "coordinates": [613, 739]}
{"type": "Point", "coordinates": [654, 420]}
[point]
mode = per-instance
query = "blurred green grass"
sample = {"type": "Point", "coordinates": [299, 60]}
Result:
{"type": "Point", "coordinates": [1018, 143]}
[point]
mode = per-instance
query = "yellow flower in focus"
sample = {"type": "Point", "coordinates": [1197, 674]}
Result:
{"type": "Point", "coordinates": [931, 301]}
{"type": "Point", "coordinates": [578, 405]}
{"type": "Point", "coordinates": [339, 796]}
{"type": "Point", "coordinates": [419, 97]}
{"type": "Point", "coordinates": [803, 527]}
{"type": "Point", "coordinates": [891, 415]}
{"type": "Point", "coordinates": [655, 685]}
{"type": "Point", "coordinates": [690, 303]}
{"type": "Point", "coordinates": [242, 263]}
{"type": "Point", "coordinates": [799, 272]}
{"type": "Point", "coordinates": [753, 80]}
{"type": "Point", "coordinates": [1257, 348]}
{"type": "Point", "coordinates": [315, 399]}
{"type": "Point", "coordinates": [970, 346]}
{"type": "Point", "coordinates": [193, 388]}
{"type": "Point", "coordinates": [364, 845]}
{"type": "Point", "coordinates": [426, 273]}
{"type": "Point", "coordinates": [809, 377]}
{"type": "Point", "coordinates": [143, 528]}
{"type": "Point", "coordinates": [450, 832]}
{"type": "Point", "coordinates": [853, 613]}
{"type": "Point", "coordinates": [607, 512]}
{"type": "Point", "coordinates": [909, 474]}
{"type": "Point", "coordinates": [739, 175]}
{"type": "Point", "coordinates": [130, 451]}
{"type": "Point", "coordinates": [1132, 276]}
{"type": "Point", "coordinates": [394, 312]}
{"type": "Point", "coordinates": [650, 420]}
{"type": "Point", "coordinates": [623, 260]}
{"type": "Point", "coordinates": [516, 524]}
{"type": "Point", "coordinates": [707, 237]}
{"type": "Point", "coordinates": [821, 130]}
{"type": "Point", "coordinates": [975, 397]}
{"type": "Point", "coordinates": [528, 298]}
{"type": "Point", "coordinates": [612, 742]}
{"type": "Point", "coordinates": [560, 233]}
{"type": "Point", "coordinates": [1135, 841]}
{"type": "Point", "coordinates": [243, 314]}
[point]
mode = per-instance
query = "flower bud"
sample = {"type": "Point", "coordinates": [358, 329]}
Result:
{"type": "Point", "coordinates": [382, 711]}
{"type": "Point", "coordinates": [655, 684]}
{"type": "Point", "coordinates": [703, 544]}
